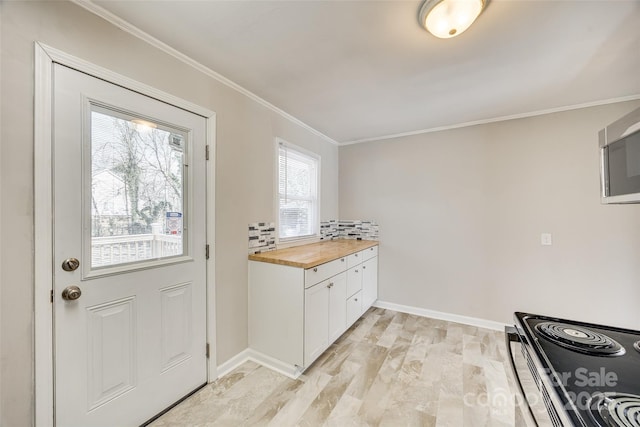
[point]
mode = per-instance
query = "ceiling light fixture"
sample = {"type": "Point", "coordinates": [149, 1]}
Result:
{"type": "Point", "coordinates": [448, 18]}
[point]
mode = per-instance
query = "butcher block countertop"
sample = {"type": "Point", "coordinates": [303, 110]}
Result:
{"type": "Point", "coordinates": [314, 254]}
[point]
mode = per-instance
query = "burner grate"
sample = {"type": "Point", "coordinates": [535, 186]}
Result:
{"type": "Point", "coordinates": [580, 339]}
{"type": "Point", "coordinates": [615, 409]}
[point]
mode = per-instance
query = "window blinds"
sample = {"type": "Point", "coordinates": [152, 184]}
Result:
{"type": "Point", "coordinates": [297, 191]}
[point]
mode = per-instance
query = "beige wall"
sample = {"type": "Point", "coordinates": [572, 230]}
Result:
{"type": "Point", "coordinates": [461, 213]}
{"type": "Point", "coordinates": [244, 173]}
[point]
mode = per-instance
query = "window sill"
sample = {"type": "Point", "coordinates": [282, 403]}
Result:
{"type": "Point", "coordinates": [297, 241]}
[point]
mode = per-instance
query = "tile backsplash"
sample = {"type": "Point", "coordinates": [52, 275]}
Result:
{"type": "Point", "coordinates": [262, 235]}
{"type": "Point", "coordinates": [348, 229]}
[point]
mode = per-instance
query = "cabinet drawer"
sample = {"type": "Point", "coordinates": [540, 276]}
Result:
{"type": "Point", "coordinates": [354, 259]}
{"type": "Point", "coordinates": [354, 308]}
{"type": "Point", "coordinates": [354, 280]}
{"type": "Point", "coordinates": [324, 271]}
{"type": "Point", "coordinates": [369, 253]}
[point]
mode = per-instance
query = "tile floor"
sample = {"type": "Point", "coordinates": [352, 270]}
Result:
{"type": "Point", "coordinates": [388, 369]}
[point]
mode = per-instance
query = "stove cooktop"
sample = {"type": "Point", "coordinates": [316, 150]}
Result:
{"type": "Point", "coordinates": [580, 339]}
{"type": "Point", "coordinates": [595, 369]}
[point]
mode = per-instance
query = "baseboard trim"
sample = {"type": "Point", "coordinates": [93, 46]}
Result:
{"type": "Point", "coordinates": [249, 354]}
{"type": "Point", "coordinates": [293, 372]}
{"type": "Point", "coordinates": [290, 371]}
{"type": "Point", "coordinates": [233, 363]}
{"type": "Point", "coordinates": [424, 312]}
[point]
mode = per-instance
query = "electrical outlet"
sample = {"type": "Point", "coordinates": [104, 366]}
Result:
{"type": "Point", "coordinates": [545, 239]}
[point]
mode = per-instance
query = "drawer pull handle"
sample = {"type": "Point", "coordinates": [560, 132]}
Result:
{"type": "Point", "coordinates": [315, 269]}
{"type": "Point", "coordinates": [330, 285]}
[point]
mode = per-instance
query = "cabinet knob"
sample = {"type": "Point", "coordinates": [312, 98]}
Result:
{"type": "Point", "coordinates": [364, 266]}
{"type": "Point", "coordinates": [356, 299]}
{"type": "Point", "coordinates": [342, 259]}
{"type": "Point", "coordinates": [330, 285]}
{"type": "Point", "coordinates": [356, 271]}
{"type": "Point", "coordinates": [356, 255]}
{"type": "Point", "coordinates": [315, 269]}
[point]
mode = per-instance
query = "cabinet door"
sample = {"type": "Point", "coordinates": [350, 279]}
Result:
{"type": "Point", "coordinates": [354, 259]}
{"type": "Point", "coordinates": [369, 283]}
{"type": "Point", "coordinates": [316, 321]}
{"type": "Point", "coordinates": [354, 308]}
{"type": "Point", "coordinates": [354, 280]}
{"type": "Point", "coordinates": [337, 306]}
{"type": "Point", "coordinates": [369, 253]}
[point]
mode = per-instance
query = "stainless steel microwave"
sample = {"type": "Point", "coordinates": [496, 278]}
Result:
{"type": "Point", "coordinates": [620, 160]}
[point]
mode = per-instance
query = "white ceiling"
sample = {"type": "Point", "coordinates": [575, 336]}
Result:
{"type": "Point", "coordinates": [364, 69]}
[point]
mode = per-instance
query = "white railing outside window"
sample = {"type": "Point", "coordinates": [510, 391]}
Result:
{"type": "Point", "coordinates": [112, 250]}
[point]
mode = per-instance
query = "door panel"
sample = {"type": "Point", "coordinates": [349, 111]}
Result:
{"type": "Point", "coordinates": [176, 325]}
{"type": "Point", "coordinates": [111, 356]}
{"type": "Point", "coordinates": [129, 204]}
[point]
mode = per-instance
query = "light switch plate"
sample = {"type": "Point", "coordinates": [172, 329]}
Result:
{"type": "Point", "coordinates": [545, 239]}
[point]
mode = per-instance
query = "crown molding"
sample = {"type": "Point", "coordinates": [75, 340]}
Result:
{"type": "Point", "coordinates": [147, 38]}
{"type": "Point", "coordinates": [135, 31]}
{"type": "Point", "coordinates": [495, 119]}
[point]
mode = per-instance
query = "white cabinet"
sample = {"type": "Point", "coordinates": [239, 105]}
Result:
{"type": "Point", "coordinates": [295, 314]}
{"type": "Point", "coordinates": [362, 278]}
{"type": "Point", "coordinates": [369, 282]}
{"type": "Point", "coordinates": [354, 259]}
{"type": "Point", "coordinates": [325, 315]}
{"type": "Point", "coordinates": [324, 271]}
{"type": "Point", "coordinates": [337, 306]}
{"type": "Point", "coordinates": [354, 307]}
{"type": "Point", "coordinates": [369, 253]}
{"type": "Point", "coordinates": [354, 280]}
{"type": "Point", "coordinates": [316, 321]}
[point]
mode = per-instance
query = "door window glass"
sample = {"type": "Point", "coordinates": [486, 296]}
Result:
{"type": "Point", "coordinates": [137, 189]}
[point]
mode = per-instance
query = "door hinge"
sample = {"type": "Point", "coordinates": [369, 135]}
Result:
{"type": "Point", "coordinates": [51, 296]}
{"type": "Point", "coordinates": [206, 155]}
{"type": "Point", "coordinates": [206, 252]}
{"type": "Point", "coordinates": [207, 351]}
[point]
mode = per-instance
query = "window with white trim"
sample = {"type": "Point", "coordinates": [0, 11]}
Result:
{"type": "Point", "coordinates": [298, 207]}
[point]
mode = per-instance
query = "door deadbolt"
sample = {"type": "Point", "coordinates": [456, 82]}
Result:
{"type": "Point", "coordinates": [70, 264]}
{"type": "Point", "coordinates": [71, 293]}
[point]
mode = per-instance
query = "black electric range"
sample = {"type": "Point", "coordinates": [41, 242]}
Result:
{"type": "Point", "coordinates": [586, 375]}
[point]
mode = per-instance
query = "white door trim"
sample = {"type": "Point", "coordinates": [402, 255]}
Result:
{"type": "Point", "coordinates": [45, 57]}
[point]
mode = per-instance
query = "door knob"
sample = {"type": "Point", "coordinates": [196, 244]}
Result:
{"type": "Point", "coordinates": [70, 264]}
{"type": "Point", "coordinates": [71, 293]}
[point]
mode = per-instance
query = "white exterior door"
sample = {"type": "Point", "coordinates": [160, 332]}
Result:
{"type": "Point", "coordinates": [129, 206]}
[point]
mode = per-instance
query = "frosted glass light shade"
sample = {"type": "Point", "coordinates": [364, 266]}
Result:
{"type": "Point", "coordinates": [448, 18]}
